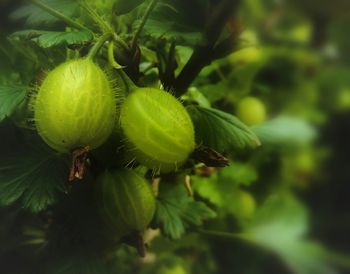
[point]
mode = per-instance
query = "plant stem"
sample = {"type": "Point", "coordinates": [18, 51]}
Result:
{"type": "Point", "coordinates": [111, 58]}
{"type": "Point", "coordinates": [130, 85]}
{"type": "Point", "coordinates": [103, 25]}
{"type": "Point", "coordinates": [225, 235]}
{"type": "Point", "coordinates": [59, 15]}
{"type": "Point", "coordinates": [245, 238]}
{"type": "Point", "coordinates": [168, 76]}
{"type": "Point", "coordinates": [201, 57]}
{"type": "Point", "coordinates": [121, 42]}
{"type": "Point", "coordinates": [142, 24]}
{"type": "Point", "coordinates": [100, 42]}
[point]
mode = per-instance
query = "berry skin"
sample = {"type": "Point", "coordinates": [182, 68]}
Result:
{"type": "Point", "coordinates": [75, 106]}
{"type": "Point", "coordinates": [251, 111]}
{"type": "Point", "coordinates": [127, 201]}
{"type": "Point", "coordinates": [158, 129]}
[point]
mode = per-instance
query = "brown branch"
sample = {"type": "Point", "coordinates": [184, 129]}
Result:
{"type": "Point", "coordinates": [201, 57]}
{"type": "Point", "coordinates": [204, 55]}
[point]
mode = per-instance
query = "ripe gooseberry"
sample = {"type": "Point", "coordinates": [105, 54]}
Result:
{"type": "Point", "coordinates": [75, 106]}
{"type": "Point", "coordinates": [127, 201]}
{"type": "Point", "coordinates": [158, 129]}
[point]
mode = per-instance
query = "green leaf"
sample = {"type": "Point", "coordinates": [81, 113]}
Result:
{"type": "Point", "coordinates": [10, 98]}
{"type": "Point", "coordinates": [21, 61]}
{"type": "Point", "coordinates": [167, 30]}
{"type": "Point", "coordinates": [214, 92]}
{"type": "Point", "coordinates": [280, 212]}
{"type": "Point", "coordinates": [34, 15]}
{"type": "Point", "coordinates": [281, 226]}
{"type": "Point", "coordinates": [222, 188]}
{"type": "Point", "coordinates": [193, 94]}
{"type": "Point", "coordinates": [286, 131]}
{"type": "Point", "coordinates": [220, 130]}
{"type": "Point", "coordinates": [176, 211]}
{"type": "Point", "coordinates": [29, 171]}
{"type": "Point", "coordinates": [239, 173]}
{"type": "Point", "coordinates": [125, 6]}
{"type": "Point", "coordinates": [211, 189]}
{"type": "Point", "coordinates": [178, 20]}
{"type": "Point", "coordinates": [47, 39]}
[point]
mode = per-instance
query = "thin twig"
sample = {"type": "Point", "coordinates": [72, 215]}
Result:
{"type": "Point", "coordinates": [225, 235]}
{"type": "Point", "coordinates": [103, 25]}
{"type": "Point", "coordinates": [111, 58]}
{"type": "Point", "coordinates": [100, 42]}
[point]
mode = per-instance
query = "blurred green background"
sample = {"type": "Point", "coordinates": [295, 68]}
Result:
{"type": "Point", "coordinates": [284, 207]}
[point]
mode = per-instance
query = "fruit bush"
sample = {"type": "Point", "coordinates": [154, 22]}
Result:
{"type": "Point", "coordinates": [172, 136]}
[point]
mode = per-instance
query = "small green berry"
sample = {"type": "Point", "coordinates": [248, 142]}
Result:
{"type": "Point", "coordinates": [158, 129]}
{"type": "Point", "coordinates": [75, 106]}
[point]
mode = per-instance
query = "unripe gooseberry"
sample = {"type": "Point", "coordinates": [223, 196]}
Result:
{"type": "Point", "coordinates": [246, 55]}
{"type": "Point", "coordinates": [244, 205]}
{"type": "Point", "coordinates": [158, 129]}
{"type": "Point", "coordinates": [126, 200]}
{"type": "Point", "coordinates": [251, 111]}
{"type": "Point", "coordinates": [75, 106]}
{"type": "Point", "coordinates": [176, 269]}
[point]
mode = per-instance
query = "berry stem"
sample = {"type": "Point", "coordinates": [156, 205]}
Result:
{"type": "Point", "coordinates": [103, 25]}
{"type": "Point", "coordinates": [59, 15]}
{"type": "Point", "coordinates": [111, 58]}
{"type": "Point", "coordinates": [129, 84]}
{"type": "Point", "coordinates": [142, 24]}
{"type": "Point", "coordinates": [100, 42]}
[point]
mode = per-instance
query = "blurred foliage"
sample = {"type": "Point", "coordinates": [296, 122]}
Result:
{"type": "Point", "coordinates": [280, 208]}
